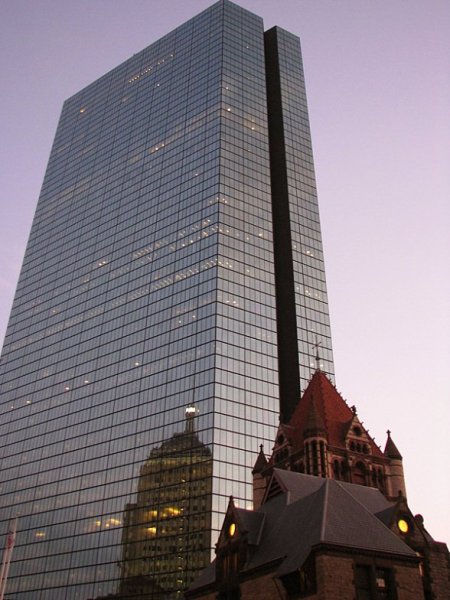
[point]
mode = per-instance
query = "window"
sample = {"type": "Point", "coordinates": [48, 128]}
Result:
{"type": "Point", "coordinates": [374, 583]}
{"type": "Point", "coordinates": [301, 583]}
{"type": "Point", "coordinates": [359, 474]}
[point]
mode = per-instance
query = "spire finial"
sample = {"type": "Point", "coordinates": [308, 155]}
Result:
{"type": "Point", "coordinates": [316, 346]}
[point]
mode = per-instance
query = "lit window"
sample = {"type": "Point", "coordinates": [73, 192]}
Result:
{"type": "Point", "coordinates": [402, 524]}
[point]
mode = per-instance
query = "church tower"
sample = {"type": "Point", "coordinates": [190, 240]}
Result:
{"type": "Point", "coordinates": [395, 476]}
{"type": "Point", "coordinates": [325, 437]}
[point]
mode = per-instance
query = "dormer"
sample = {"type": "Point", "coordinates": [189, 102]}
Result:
{"type": "Point", "coordinates": [357, 440]}
{"type": "Point", "coordinates": [282, 448]}
{"type": "Point", "coordinates": [403, 523]}
{"type": "Point", "coordinates": [231, 551]}
{"type": "Point", "coordinates": [240, 535]}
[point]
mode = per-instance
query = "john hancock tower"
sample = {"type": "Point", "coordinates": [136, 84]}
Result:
{"type": "Point", "coordinates": [174, 264]}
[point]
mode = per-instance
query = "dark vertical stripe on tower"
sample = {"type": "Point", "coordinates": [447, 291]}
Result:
{"type": "Point", "coordinates": [289, 377]}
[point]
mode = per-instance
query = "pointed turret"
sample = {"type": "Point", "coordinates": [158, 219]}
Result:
{"type": "Point", "coordinates": [261, 462]}
{"type": "Point", "coordinates": [259, 481]}
{"type": "Point", "coordinates": [394, 471]}
{"type": "Point", "coordinates": [391, 450]}
{"type": "Point", "coordinates": [315, 441]}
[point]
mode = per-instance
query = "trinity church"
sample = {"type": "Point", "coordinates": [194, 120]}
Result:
{"type": "Point", "coordinates": [330, 521]}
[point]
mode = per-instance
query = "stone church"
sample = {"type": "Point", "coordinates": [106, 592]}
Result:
{"type": "Point", "coordinates": [330, 521]}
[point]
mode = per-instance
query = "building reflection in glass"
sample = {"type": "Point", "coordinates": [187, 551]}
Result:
{"type": "Point", "coordinates": [166, 532]}
{"type": "Point", "coordinates": [150, 276]}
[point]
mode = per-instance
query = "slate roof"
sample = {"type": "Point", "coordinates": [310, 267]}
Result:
{"type": "Point", "coordinates": [330, 409]}
{"type": "Point", "coordinates": [253, 522]}
{"type": "Point", "coordinates": [309, 511]}
{"type": "Point", "coordinates": [319, 510]}
{"type": "Point", "coordinates": [314, 422]}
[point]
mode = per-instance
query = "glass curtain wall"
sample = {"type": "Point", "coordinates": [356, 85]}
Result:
{"type": "Point", "coordinates": [147, 290]}
{"type": "Point", "coordinates": [140, 369]}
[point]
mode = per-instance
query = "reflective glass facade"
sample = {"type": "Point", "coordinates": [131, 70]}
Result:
{"type": "Point", "coordinates": [140, 367]}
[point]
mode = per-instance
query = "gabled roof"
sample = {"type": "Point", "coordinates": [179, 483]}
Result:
{"type": "Point", "coordinates": [329, 409]}
{"type": "Point", "coordinates": [307, 512]}
{"type": "Point", "coordinates": [312, 511]}
{"type": "Point", "coordinates": [253, 522]}
{"type": "Point", "coordinates": [248, 523]}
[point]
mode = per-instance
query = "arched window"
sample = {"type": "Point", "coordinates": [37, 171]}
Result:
{"type": "Point", "coordinates": [374, 477]}
{"type": "Point", "coordinates": [323, 460]}
{"type": "Point", "coordinates": [359, 474]}
{"type": "Point", "coordinates": [381, 480]}
{"type": "Point", "coordinates": [336, 469]}
{"type": "Point", "coordinates": [315, 458]}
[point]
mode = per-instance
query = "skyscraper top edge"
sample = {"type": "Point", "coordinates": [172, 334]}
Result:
{"type": "Point", "coordinates": [160, 41]}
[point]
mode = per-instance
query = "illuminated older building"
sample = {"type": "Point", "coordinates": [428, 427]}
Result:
{"type": "Point", "coordinates": [167, 531]}
{"type": "Point", "coordinates": [175, 259]}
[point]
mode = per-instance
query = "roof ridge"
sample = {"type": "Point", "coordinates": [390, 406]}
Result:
{"type": "Point", "coordinates": [261, 527]}
{"type": "Point", "coordinates": [325, 508]}
{"type": "Point", "coordinates": [343, 484]}
{"type": "Point", "coordinates": [322, 398]}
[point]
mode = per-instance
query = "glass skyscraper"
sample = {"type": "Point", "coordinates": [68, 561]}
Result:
{"type": "Point", "coordinates": [170, 299]}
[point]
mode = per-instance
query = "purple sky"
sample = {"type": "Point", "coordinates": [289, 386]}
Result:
{"type": "Point", "coordinates": [378, 88]}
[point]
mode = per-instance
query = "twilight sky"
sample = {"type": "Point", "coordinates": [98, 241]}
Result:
{"type": "Point", "coordinates": [378, 84]}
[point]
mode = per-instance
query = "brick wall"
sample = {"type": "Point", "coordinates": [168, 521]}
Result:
{"type": "Point", "coordinates": [336, 580]}
{"type": "Point", "coordinates": [439, 569]}
{"type": "Point", "coordinates": [409, 582]}
{"type": "Point", "coordinates": [262, 588]}
{"type": "Point", "coordinates": [334, 576]}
